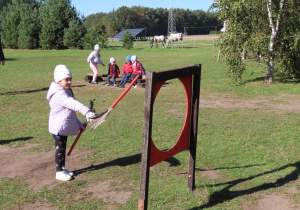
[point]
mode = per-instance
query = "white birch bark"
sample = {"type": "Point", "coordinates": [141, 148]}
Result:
{"type": "Point", "coordinates": [274, 27]}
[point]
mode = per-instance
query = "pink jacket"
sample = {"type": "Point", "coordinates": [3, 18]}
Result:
{"type": "Point", "coordinates": [62, 118]}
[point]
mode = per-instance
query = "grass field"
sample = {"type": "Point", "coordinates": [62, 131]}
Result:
{"type": "Point", "coordinates": [248, 136]}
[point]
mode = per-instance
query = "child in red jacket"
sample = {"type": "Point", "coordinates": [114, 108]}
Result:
{"type": "Point", "coordinates": [138, 69]}
{"type": "Point", "coordinates": [113, 72]}
{"type": "Point", "coordinates": [126, 71]}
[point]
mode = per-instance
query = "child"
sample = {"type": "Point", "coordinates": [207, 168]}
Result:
{"type": "Point", "coordinates": [63, 121]}
{"type": "Point", "coordinates": [113, 72]}
{"type": "Point", "coordinates": [138, 69]}
{"type": "Point", "coordinates": [126, 71]}
{"type": "Point", "coordinates": [94, 59]}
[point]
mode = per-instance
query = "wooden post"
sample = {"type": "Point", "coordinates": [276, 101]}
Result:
{"type": "Point", "coordinates": [144, 186]}
{"type": "Point", "coordinates": [158, 78]}
{"type": "Point", "coordinates": [194, 130]}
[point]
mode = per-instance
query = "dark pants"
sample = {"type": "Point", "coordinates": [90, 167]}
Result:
{"type": "Point", "coordinates": [133, 76]}
{"type": "Point", "coordinates": [125, 78]}
{"type": "Point", "coordinates": [113, 79]}
{"type": "Point", "coordinates": [60, 151]}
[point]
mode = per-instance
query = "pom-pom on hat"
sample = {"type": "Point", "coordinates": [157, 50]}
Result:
{"type": "Point", "coordinates": [61, 72]}
{"type": "Point", "coordinates": [134, 58]}
{"type": "Point", "coordinates": [96, 47]}
{"type": "Point", "coordinates": [128, 58]}
{"type": "Point", "coordinates": [112, 59]}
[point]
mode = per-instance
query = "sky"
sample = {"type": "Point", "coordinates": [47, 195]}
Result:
{"type": "Point", "coordinates": [88, 7]}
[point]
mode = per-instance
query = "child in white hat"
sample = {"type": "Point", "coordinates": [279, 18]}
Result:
{"type": "Point", "coordinates": [63, 121]}
{"type": "Point", "coordinates": [138, 69]}
{"type": "Point", "coordinates": [93, 59]}
{"type": "Point", "coordinates": [113, 72]}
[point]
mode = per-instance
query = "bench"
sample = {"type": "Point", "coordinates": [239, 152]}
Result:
{"type": "Point", "coordinates": [141, 82]}
{"type": "Point", "coordinates": [89, 78]}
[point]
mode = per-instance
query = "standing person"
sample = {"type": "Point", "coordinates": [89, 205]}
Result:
{"type": "Point", "coordinates": [2, 58]}
{"type": "Point", "coordinates": [113, 71]}
{"type": "Point", "coordinates": [126, 71]}
{"type": "Point", "coordinates": [63, 121]}
{"type": "Point", "coordinates": [138, 69]}
{"type": "Point", "coordinates": [94, 59]}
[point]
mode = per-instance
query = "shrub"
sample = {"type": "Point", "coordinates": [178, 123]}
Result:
{"type": "Point", "coordinates": [127, 40]}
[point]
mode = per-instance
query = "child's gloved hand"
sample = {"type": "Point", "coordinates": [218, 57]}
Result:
{"type": "Point", "coordinates": [82, 127]}
{"type": "Point", "coordinates": [89, 115]}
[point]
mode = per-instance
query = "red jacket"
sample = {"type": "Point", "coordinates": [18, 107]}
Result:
{"type": "Point", "coordinates": [127, 68]}
{"type": "Point", "coordinates": [138, 68]}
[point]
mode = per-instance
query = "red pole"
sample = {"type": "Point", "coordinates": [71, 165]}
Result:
{"type": "Point", "coordinates": [125, 91]}
{"type": "Point", "coordinates": [77, 138]}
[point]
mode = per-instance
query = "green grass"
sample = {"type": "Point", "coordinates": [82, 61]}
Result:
{"type": "Point", "coordinates": [255, 151]}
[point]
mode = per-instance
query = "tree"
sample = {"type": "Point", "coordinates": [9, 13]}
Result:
{"type": "Point", "coordinates": [274, 25]}
{"type": "Point", "coordinates": [90, 39]}
{"type": "Point", "coordinates": [4, 3]}
{"type": "Point", "coordinates": [10, 20]}
{"type": "Point", "coordinates": [29, 27]}
{"type": "Point", "coordinates": [127, 40]}
{"type": "Point", "coordinates": [74, 34]}
{"type": "Point", "coordinates": [55, 16]}
{"type": "Point", "coordinates": [103, 40]}
{"type": "Point", "coordinates": [257, 26]}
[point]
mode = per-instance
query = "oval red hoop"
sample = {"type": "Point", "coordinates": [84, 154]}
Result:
{"type": "Point", "coordinates": [182, 142]}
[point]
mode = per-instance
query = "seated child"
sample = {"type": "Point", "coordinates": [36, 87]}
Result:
{"type": "Point", "coordinates": [138, 69]}
{"type": "Point", "coordinates": [113, 72]}
{"type": "Point", "coordinates": [126, 71]}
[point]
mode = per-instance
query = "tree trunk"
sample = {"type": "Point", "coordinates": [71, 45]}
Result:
{"type": "Point", "coordinates": [274, 28]}
{"type": "Point", "coordinates": [270, 78]}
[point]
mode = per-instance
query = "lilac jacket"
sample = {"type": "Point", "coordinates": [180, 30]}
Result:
{"type": "Point", "coordinates": [94, 58]}
{"type": "Point", "coordinates": [62, 118]}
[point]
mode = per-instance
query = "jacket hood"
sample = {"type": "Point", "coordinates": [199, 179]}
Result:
{"type": "Point", "coordinates": [54, 88]}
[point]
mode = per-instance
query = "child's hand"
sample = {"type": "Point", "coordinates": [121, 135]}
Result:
{"type": "Point", "coordinates": [82, 127]}
{"type": "Point", "coordinates": [89, 115]}
{"type": "Point", "coordinates": [103, 65]}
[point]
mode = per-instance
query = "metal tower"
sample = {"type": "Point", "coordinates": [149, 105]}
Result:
{"type": "Point", "coordinates": [171, 20]}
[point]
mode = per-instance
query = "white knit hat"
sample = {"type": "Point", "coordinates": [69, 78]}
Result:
{"type": "Point", "coordinates": [134, 58]}
{"type": "Point", "coordinates": [61, 72]}
{"type": "Point", "coordinates": [112, 59]}
{"type": "Point", "coordinates": [96, 47]}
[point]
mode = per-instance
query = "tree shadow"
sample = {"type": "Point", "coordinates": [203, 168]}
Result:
{"type": "Point", "coordinates": [210, 169]}
{"type": "Point", "coordinates": [33, 91]}
{"type": "Point", "coordinates": [25, 92]}
{"type": "Point", "coordinates": [257, 79]}
{"type": "Point", "coordinates": [2, 142]}
{"type": "Point", "coordinates": [287, 80]}
{"type": "Point", "coordinates": [226, 194]}
{"type": "Point", "coordinates": [284, 80]}
{"type": "Point", "coordinates": [124, 161]}
{"type": "Point", "coordinates": [10, 59]}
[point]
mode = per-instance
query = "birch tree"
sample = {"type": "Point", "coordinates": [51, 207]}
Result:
{"type": "Point", "coordinates": [274, 25]}
{"type": "Point", "coordinates": [264, 27]}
